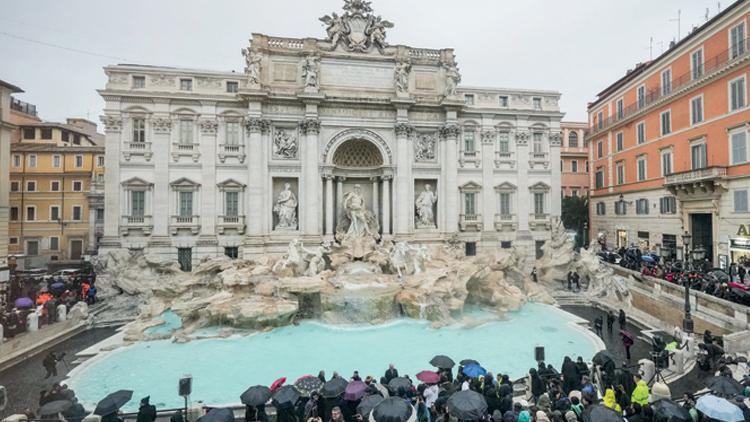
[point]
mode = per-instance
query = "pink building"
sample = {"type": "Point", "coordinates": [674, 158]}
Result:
{"type": "Point", "coordinates": [574, 159]}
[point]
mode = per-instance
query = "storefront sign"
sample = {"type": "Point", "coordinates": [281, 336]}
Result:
{"type": "Point", "coordinates": [744, 230]}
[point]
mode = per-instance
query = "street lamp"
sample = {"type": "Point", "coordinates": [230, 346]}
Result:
{"type": "Point", "coordinates": [687, 322]}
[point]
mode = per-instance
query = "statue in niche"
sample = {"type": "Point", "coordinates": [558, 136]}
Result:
{"type": "Point", "coordinates": [452, 79]}
{"type": "Point", "coordinates": [286, 209]}
{"type": "Point", "coordinates": [401, 76]}
{"type": "Point", "coordinates": [424, 205]}
{"type": "Point", "coordinates": [424, 148]}
{"type": "Point", "coordinates": [252, 66]}
{"type": "Point", "coordinates": [358, 221]}
{"type": "Point", "coordinates": [310, 71]}
{"type": "Point", "coordinates": [284, 145]}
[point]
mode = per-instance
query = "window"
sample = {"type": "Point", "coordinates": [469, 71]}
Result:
{"type": "Point", "coordinates": [186, 131]}
{"type": "Point", "coordinates": [79, 161]}
{"type": "Point", "coordinates": [503, 101]}
{"type": "Point", "coordinates": [231, 204]}
{"type": "Point", "coordinates": [503, 139]}
{"type": "Point", "coordinates": [666, 122]}
{"type": "Point", "coordinates": [233, 133]}
{"type": "Point", "coordinates": [600, 119]}
{"type": "Point", "coordinates": [505, 203]}
{"type": "Point", "coordinates": [666, 82]}
{"type": "Point", "coordinates": [698, 156]}
{"type": "Point", "coordinates": [587, 166]}
{"type": "Point", "coordinates": [13, 213]}
{"type": "Point", "coordinates": [469, 141]}
{"type": "Point", "coordinates": [539, 203]}
{"type": "Point", "coordinates": [30, 186]}
{"type": "Point", "coordinates": [46, 133]}
{"type": "Point", "coordinates": [668, 205]}
{"type": "Point", "coordinates": [100, 161]}
{"type": "Point", "coordinates": [54, 186]}
{"type": "Point", "coordinates": [666, 163]}
{"type": "Point", "coordinates": [13, 241]}
{"type": "Point", "coordinates": [77, 186]}
{"type": "Point", "coordinates": [737, 40]}
{"type": "Point", "coordinates": [469, 203]}
{"type": "Point", "coordinates": [32, 247]}
{"type": "Point", "coordinates": [574, 192]}
{"type": "Point", "coordinates": [642, 169]}
{"type": "Point", "coordinates": [619, 141]}
{"type": "Point", "coordinates": [16, 160]}
{"type": "Point", "coordinates": [76, 213]}
{"type": "Point", "coordinates": [538, 144]}
{"type": "Point", "coordinates": [56, 160]}
{"type": "Point", "coordinates": [54, 243]}
{"type": "Point", "coordinates": [641, 94]}
{"type": "Point", "coordinates": [100, 215]}
{"type": "Point", "coordinates": [573, 139]}
{"type": "Point", "coordinates": [640, 132]}
{"type": "Point", "coordinates": [641, 206]}
{"type": "Point", "coordinates": [30, 213]}
{"type": "Point", "coordinates": [186, 84]}
{"type": "Point", "coordinates": [600, 149]}
{"type": "Point", "coordinates": [139, 82]}
{"type": "Point", "coordinates": [506, 244]}
{"type": "Point", "coordinates": [739, 147]}
{"type": "Point", "coordinates": [537, 103]}
{"type": "Point", "coordinates": [740, 201]}
{"type": "Point", "coordinates": [139, 130]}
{"type": "Point", "coordinates": [185, 204]}
{"type": "Point", "coordinates": [737, 94]}
{"type": "Point", "coordinates": [696, 64]}
{"type": "Point", "coordinates": [601, 208]}
{"type": "Point", "coordinates": [621, 207]}
{"type": "Point", "coordinates": [231, 251]}
{"type": "Point", "coordinates": [54, 213]}
{"type": "Point", "coordinates": [599, 179]}
{"type": "Point", "coordinates": [469, 99]}
{"type": "Point", "coordinates": [29, 133]}
{"type": "Point", "coordinates": [620, 171]}
{"type": "Point", "coordinates": [137, 203]}
{"type": "Point", "coordinates": [574, 166]}
{"type": "Point", "coordinates": [65, 136]}
{"type": "Point", "coordinates": [15, 186]}
{"type": "Point", "coordinates": [32, 160]}
{"type": "Point", "coordinates": [696, 110]}
{"type": "Point", "coordinates": [77, 139]}
{"type": "Point", "coordinates": [620, 108]}
{"type": "Point", "coordinates": [233, 86]}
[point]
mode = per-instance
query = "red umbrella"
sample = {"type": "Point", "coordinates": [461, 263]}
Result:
{"type": "Point", "coordinates": [428, 377]}
{"type": "Point", "coordinates": [355, 390]}
{"type": "Point", "coordinates": [303, 377]}
{"type": "Point", "coordinates": [278, 383]}
{"type": "Point", "coordinates": [628, 334]}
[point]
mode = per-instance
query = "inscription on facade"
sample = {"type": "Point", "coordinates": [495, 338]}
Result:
{"type": "Point", "coordinates": [357, 113]}
{"type": "Point", "coordinates": [284, 72]}
{"type": "Point", "coordinates": [356, 76]}
{"type": "Point", "coordinates": [425, 81]}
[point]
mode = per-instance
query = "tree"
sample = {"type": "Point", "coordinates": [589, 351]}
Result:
{"type": "Point", "coordinates": [575, 212]}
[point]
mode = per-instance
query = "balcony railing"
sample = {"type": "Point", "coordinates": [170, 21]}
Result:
{"type": "Point", "coordinates": [711, 66]}
{"type": "Point", "coordinates": [192, 222]}
{"type": "Point", "coordinates": [235, 222]}
{"type": "Point", "coordinates": [538, 156]}
{"type": "Point", "coordinates": [231, 150]}
{"type": "Point", "coordinates": [23, 107]}
{"type": "Point", "coordinates": [137, 148]}
{"type": "Point", "coordinates": [187, 148]}
{"type": "Point", "coordinates": [136, 222]}
{"type": "Point", "coordinates": [470, 222]}
{"type": "Point", "coordinates": [538, 217]}
{"type": "Point", "coordinates": [697, 175]}
{"type": "Point", "coordinates": [505, 221]}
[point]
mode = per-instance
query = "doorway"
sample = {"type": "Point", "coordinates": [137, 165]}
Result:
{"type": "Point", "coordinates": [702, 230]}
{"type": "Point", "coordinates": [76, 249]}
{"type": "Point", "coordinates": [185, 259]}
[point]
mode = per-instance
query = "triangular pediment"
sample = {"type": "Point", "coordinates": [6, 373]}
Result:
{"type": "Point", "coordinates": [184, 182]}
{"type": "Point", "coordinates": [470, 186]}
{"type": "Point", "coordinates": [506, 186]}
{"type": "Point", "coordinates": [231, 183]}
{"type": "Point", "coordinates": [137, 181]}
{"type": "Point", "coordinates": [539, 187]}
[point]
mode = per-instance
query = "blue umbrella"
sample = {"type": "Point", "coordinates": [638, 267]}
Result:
{"type": "Point", "coordinates": [473, 370]}
{"type": "Point", "coordinates": [24, 302]}
{"type": "Point", "coordinates": [719, 409]}
{"type": "Point", "coordinates": [57, 286]}
{"type": "Point", "coordinates": [648, 258]}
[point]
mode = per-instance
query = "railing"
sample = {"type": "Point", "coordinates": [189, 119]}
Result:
{"type": "Point", "coordinates": [713, 65]}
{"type": "Point", "coordinates": [23, 107]}
{"type": "Point", "coordinates": [136, 220]}
{"type": "Point", "coordinates": [191, 222]}
{"type": "Point", "coordinates": [231, 148]}
{"type": "Point", "coordinates": [470, 154]}
{"type": "Point", "coordinates": [697, 175]}
{"type": "Point", "coordinates": [180, 147]}
{"type": "Point", "coordinates": [505, 217]}
{"type": "Point", "coordinates": [182, 219]}
{"type": "Point", "coordinates": [423, 53]}
{"type": "Point", "coordinates": [286, 43]}
{"type": "Point", "coordinates": [231, 219]}
{"type": "Point", "coordinates": [138, 146]}
{"type": "Point", "coordinates": [538, 217]}
{"type": "Point", "coordinates": [503, 155]}
{"type": "Point", "coordinates": [538, 155]}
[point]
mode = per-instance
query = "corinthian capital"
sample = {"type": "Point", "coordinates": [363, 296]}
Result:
{"type": "Point", "coordinates": [257, 125]}
{"type": "Point", "coordinates": [489, 136]}
{"type": "Point", "coordinates": [404, 129]}
{"type": "Point", "coordinates": [310, 126]}
{"type": "Point", "coordinates": [112, 123]}
{"type": "Point", "coordinates": [450, 131]}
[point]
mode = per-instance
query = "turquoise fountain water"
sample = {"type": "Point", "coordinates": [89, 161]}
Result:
{"type": "Point", "coordinates": [223, 368]}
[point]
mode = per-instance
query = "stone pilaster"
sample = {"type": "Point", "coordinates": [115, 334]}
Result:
{"type": "Point", "coordinates": [255, 127]}
{"type": "Point", "coordinates": [160, 129]}
{"type": "Point", "coordinates": [113, 144]}
{"type": "Point", "coordinates": [387, 205]}
{"type": "Point", "coordinates": [451, 209]}
{"type": "Point", "coordinates": [329, 205]}
{"type": "Point", "coordinates": [522, 162]}
{"type": "Point", "coordinates": [210, 201]}
{"type": "Point", "coordinates": [404, 179]}
{"type": "Point", "coordinates": [555, 142]}
{"type": "Point", "coordinates": [311, 194]}
{"type": "Point", "coordinates": [489, 206]}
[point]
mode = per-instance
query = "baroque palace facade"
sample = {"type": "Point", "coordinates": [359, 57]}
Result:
{"type": "Point", "coordinates": [207, 163]}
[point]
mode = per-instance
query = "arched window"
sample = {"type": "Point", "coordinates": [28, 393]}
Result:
{"type": "Point", "coordinates": [573, 139]}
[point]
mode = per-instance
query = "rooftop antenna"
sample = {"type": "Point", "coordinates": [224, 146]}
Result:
{"type": "Point", "coordinates": [706, 15]}
{"type": "Point", "coordinates": [651, 48]}
{"type": "Point", "coordinates": [678, 20]}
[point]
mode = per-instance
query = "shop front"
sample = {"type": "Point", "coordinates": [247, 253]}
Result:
{"type": "Point", "coordinates": [739, 247]}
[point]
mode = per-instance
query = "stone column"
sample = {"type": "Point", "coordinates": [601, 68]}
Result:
{"type": "Point", "coordinates": [311, 180]}
{"type": "Point", "coordinates": [160, 128]}
{"type": "Point", "coordinates": [255, 127]}
{"type": "Point", "coordinates": [489, 202]}
{"type": "Point", "coordinates": [329, 205]}
{"type": "Point", "coordinates": [210, 202]}
{"type": "Point", "coordinates": [451, 209]}
{"type": "Point", "coordinates": [92, 227]}
{"type": "Point", "coordinates": [387, 205]}
{"type": "Point", "coordinates": [523, 203]}
{"type": "Point", "coordinates": [375, 200]}
{"type": "Point", "coordinates": [404, 180]}
{"type": "Point", "coordinates": [113, 143]}
{"type": "Point", "coordinates": [339, 199]}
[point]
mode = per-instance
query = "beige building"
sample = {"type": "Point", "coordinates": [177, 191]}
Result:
{"type": "Point", "coordinates": [6, 131]}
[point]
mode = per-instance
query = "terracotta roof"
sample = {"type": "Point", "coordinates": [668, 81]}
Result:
{"type": "Point", "coordinates": [46, 147]}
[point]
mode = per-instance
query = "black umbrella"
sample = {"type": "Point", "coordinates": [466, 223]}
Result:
{"type": "Point", "coordinates": [218, 415]}
{"type": "Point", "coordinates": [368, 403]}
{"type": "Point", "coordinates": [393, 409]}
{"type": "Point", "coordinates": [602, 358]}
{"type": "Point", "coordinates": [256, 395]}
{"type": "Point", "coordinates": [333, 388]}
{"type": "Point", "coordinates": [308, 385]}
{"type": "Point", "coordinates": [442, 362]}
{"type": "Point", "coordinates": [398, 383]}
{"type": "Point", "coordinates": [467, 405]}
{"type": "Point", "coordinates": [599, 413]}
{"type": "Point", "coordinates": [113, 402]}
{"type": "Point", "coordinates": [724, 386]}
{"type": "Point", "coordinates": [668, 411]}
{"type": "Point", "coordinates": [286, 396]}
{"type": "Point", "coordinates": [468, 362]}
{"type": "Point", "coordinates": [55, 407]}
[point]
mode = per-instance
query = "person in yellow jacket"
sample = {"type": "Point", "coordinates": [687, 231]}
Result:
{"type": "Point", "coordinates": [610, 401]}
{"type": "Point", "coordinates": [640, 394]}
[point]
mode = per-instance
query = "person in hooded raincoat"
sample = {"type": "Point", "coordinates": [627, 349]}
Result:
{"type": "Point", "coordinates": [544, 403]}
{"type": "Point", "coordinates": [571, 380]}
{"type": "Point", "coordinates": [537, 385]}
{"type": "Point", "coordinates": [146, 411]}
{"type": "Point", "coordinates": [541, 416]}
{"type": "Point", "coordinates": [524, 416]}
{"type": "Point", "coordinates": [641, 392]}
{"type": "Point", "coordinates": [611, 401]}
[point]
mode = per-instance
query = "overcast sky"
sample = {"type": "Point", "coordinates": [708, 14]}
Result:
{"type": "Point", "coordinates": [576, 47]}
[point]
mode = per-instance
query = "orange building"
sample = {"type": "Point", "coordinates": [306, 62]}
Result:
{"type": "Point", "coordinates": [574, 159]}
{"type": "Point", "coordinates": [669, 146]}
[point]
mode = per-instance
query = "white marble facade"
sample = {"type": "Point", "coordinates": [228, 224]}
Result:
{"type": "Point", "coordinates": [208, 162]}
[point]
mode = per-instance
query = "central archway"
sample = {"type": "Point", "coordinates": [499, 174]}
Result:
{"type": "Point", "coordinates": [357, 154]}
